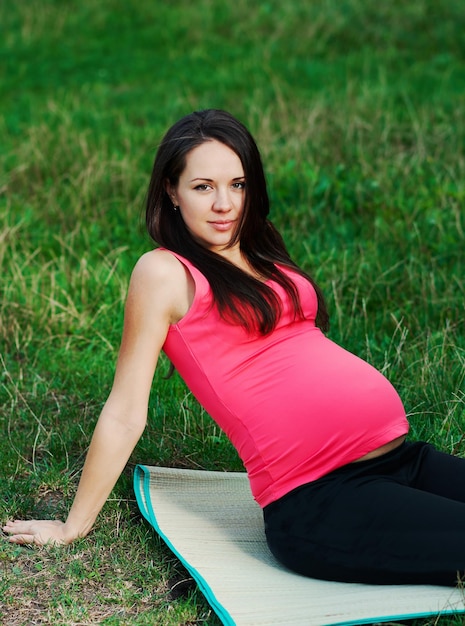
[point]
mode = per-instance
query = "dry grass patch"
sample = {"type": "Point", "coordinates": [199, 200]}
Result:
{"type": "Point", "coordinates": [86, 584]}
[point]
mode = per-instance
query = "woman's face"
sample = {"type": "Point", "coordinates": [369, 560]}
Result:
{"type": "Point", "coordinates": [210, 194]}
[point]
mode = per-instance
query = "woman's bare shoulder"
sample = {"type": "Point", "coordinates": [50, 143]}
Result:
{"type": "Point", "coordinates": [160, 273]}
{"type": "Point", "coordinates": [159, 265]}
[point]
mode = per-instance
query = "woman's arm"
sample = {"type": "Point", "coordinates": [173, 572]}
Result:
{"type": "Point", "coordinates": [158, 296]}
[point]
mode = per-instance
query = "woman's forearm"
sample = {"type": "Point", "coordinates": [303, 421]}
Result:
{"type": "Point", "coordinates": [112, 443]}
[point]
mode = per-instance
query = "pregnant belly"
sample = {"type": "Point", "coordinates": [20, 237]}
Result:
{"type": "Point", "coordinates": [392, 445]}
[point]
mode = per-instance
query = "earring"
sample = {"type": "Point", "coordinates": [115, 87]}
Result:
{"type": "Point", "coordinates": [175, 207]}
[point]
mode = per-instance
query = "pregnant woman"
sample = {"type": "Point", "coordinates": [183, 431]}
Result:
{"type": "Point", "coordinates": [320, 431]}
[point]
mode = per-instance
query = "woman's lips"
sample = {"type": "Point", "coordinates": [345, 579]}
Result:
{"type": "Point", "coordinates": [222, 224]}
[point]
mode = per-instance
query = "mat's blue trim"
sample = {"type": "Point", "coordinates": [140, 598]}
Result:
{"type": "Point", "coordinates": [219, 609]}
{"type": "Point", "coordinates": [149, 514]}
{"type": "Point", "coordinates": [395, 618]}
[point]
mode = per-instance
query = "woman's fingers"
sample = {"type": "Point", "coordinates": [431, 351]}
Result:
{"type": "Point", "coordinates": [21, 539]}
{"type": "Point", "coordinates": [38, 532]}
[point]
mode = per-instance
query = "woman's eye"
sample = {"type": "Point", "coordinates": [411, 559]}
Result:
{"type": "Point", "coordinates": [202, 187]}
{"type": "Point", "coordinates": [240, 185]}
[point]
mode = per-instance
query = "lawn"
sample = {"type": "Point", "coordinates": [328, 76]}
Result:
{"type": "Point", "coordinates": [359, 110]}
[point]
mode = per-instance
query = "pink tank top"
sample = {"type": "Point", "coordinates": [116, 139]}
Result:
{"type": "Point", "coordinates": [293, 403]}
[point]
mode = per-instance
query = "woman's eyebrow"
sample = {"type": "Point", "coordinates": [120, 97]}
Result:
{"type": "Point", "coordinates": [210, 180]}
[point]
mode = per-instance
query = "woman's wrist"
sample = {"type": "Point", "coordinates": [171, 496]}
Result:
{"type": "Point", "coordinates": [72, 530]}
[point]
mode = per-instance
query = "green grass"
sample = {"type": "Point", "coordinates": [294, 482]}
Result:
{"type": "Point", "coordinates": [359, 110]}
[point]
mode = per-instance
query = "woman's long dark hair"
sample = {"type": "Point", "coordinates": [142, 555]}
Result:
{"type": "Point", "coordinates": [239, 296]}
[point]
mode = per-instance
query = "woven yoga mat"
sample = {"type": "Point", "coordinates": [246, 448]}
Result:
{"type": "Point", "coordinates": [210, 521]}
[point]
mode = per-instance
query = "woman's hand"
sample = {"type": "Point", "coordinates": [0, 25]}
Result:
{"type": "Point", "coordinates": [38, 532]}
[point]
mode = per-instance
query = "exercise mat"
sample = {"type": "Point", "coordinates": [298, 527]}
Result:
{"type": "Point", "coordinates": [212, 524]}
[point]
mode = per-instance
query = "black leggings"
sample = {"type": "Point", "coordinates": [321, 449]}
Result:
{"type": "Point", "coordinates": [395, 519]}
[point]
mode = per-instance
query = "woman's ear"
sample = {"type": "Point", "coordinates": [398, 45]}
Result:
{"type": "Point", "coordinates": [170, 190]}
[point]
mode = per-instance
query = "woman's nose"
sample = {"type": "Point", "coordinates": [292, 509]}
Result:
{"type": "Point", "coordinates": [222, 200]}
